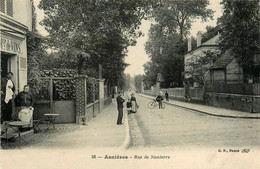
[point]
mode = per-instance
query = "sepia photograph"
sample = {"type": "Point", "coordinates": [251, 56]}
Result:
{"type": "Point", "coordinates": [140, 84]}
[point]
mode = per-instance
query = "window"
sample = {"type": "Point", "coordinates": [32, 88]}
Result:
{"type": "Point", "coordinates": [6, 6]}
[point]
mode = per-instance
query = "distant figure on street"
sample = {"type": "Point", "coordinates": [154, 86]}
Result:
{"type": "Point", "coordinates": [133, 103]}
{"type": "Point", "coordinates": [129, 106]}
{"type": "Point", "coordinates": [24, 101]}
{"type": "Point", "coordinates": [166, 96]}
{"type": "Point", "coordinates": [159, 99]}
{"type": "Point", "coordinates": [120, 107]}
{"type": "Point", "coordinates": [7, 95]}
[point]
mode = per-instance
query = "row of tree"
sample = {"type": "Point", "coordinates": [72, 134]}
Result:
{"type": "Point", "coordinates": [93, 32]}
{"type": "Point", "coordinates": [168, 38]}
{"type": "Point", "coordinates": [239, 28]}
{"type": "Point", "coordinates": [99, 32]}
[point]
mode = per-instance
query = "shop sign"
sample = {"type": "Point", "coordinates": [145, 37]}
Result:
{"type": "Point", "coordinates": [7, 45]}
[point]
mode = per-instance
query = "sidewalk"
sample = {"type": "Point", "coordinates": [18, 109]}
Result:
{"type": "Point", "coordinates": [100, 132]}
{"type": "Point", "coordinates": [209, 110]}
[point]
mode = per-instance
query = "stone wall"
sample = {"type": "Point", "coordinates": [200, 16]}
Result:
{"type": "Point", "coordinates": [196, 94]}
{"type": "Point", "coordinates": [149, 92]}
{"type": "Point", "coordinates": [240, 102]}
{"type": "Point", "coordinates": [247, 103]}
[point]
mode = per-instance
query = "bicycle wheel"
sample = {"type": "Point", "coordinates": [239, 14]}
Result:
{"type": "Point", "coordinates": [151, 104]}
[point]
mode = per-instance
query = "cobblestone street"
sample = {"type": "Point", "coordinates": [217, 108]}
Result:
{"type": "Point", "coordinates": [178, 127]}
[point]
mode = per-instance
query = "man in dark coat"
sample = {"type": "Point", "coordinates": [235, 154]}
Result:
{"type": "Point", "coordinates": [159, 99]}
{"type": "Point", "coordinates": [24, 101]}
{"type": "Point", "coordinates": [120, 107]}
{"type": "Point", "coordinates": [7, 94]}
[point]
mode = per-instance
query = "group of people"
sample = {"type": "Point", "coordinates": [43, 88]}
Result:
{"type": "Point", "coordinates": [23, 101]}
{"type": "Point", "coordinates": [131, 106]}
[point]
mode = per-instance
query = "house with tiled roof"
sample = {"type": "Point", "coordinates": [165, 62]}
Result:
{"type": "Point", "coordinates": [193, 55]}
{"type": "Point", "coordinates": [225, 70]}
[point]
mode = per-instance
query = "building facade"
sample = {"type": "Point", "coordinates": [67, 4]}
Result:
{"type": "Point", "coordinates": [194, 54]}
{"type": "Point", "coordinates": [15, 23]}
{"type": "Point", "coordinates": [225, 70]}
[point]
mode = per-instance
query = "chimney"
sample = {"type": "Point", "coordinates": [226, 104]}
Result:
{"type": "Point", "coordinates": [198, 39]}
{"type": "Point", "coordinates": [189, 44]}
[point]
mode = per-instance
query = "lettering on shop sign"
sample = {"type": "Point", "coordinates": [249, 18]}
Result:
{"type": "Point", "coordinates": [9, 46]}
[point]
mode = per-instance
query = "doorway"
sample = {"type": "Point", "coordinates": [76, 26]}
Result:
{"type": "Point", "coordinates": [5, 64]}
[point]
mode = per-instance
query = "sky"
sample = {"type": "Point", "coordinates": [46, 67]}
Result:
{"type": "Point", "coordinates": [136, 55]}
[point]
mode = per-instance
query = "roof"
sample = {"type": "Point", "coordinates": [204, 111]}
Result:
{"type": "Point", "coordinates": [211, 42]}
{"type": "Point", "coordinates": [223, 61]}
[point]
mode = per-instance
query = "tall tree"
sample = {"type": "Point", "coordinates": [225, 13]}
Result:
{"type": "Point", "coordinates": [103, 29]}
{"type": "Point", "coordinates": [177, 16]}
{"type": "Point", "coordinates": [127, 81]}
{"type": "Point", "coordinates": [163, 50]}
{"type": "Point", "coordinates": [167, 43]}
{"type": "Point", "coordinates": [138, 79]}
{"type": "Point", "coordinates": [241, 24]}
{"type": "Point", "coordinates": [150, 69]}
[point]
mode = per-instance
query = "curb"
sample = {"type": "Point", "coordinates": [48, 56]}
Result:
{"type": "Point", "coordinates": [203, 112]}
{"type": "Point", "coordinates": [126, 143]}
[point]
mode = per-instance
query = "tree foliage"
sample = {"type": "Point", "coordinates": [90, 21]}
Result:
{"type": "Point", "coordinates": [241, 24]}
{"type": "Point", "coordinates": [167, 39]}
{"type": "Point", "coordinates": [138, 82]}
{"type": "Point", "coordinates": [103, 29]}
{"type": "Point", "coordinates": [198, 68]}
{"type": "Point", "coordinates": [127, 82]}
{"type": "Point", "coordinates": [178, 16]}
{"type": "Point", "coordinates": [163, 50]}
{"type": "Point", "coordinates": [210, 33]}
{"type": "Point", "coordinates": [35, 51]}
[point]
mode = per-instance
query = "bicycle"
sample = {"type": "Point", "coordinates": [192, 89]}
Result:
{"type": "Point", "coordinates": [153, 104]}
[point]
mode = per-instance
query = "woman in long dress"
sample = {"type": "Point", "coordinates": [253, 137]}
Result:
{"type": "Point", "coordinates": [134, 103]}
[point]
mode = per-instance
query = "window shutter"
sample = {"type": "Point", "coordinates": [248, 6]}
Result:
{"type": "Point", "coordinates": [23, 63]}
{"type": "Point", "coordinates": [2, 6]}
{"type": "Point", "coordinates": [9, 6]}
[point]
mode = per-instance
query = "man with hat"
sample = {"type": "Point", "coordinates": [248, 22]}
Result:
{"type": "Point", "coordinates": [120, 107]}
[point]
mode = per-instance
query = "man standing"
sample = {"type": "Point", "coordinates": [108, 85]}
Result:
{"type": "Point", "coordinates": [7, 94]}
{"type": "Point", "coordinates": [24, 100]}
{"type": "Point", "coordinates": [159, 99]}
{"type": "Point", "coordinates": [120, 106]}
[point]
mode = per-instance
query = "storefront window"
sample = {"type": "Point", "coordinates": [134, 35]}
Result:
{"type": "Point", "coordinates": [6, 6]}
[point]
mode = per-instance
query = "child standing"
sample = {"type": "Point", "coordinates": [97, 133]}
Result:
{"type": "Point", "coordinates": [129, 106]}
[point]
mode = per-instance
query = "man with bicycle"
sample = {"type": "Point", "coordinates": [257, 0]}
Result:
{"type": "Point", "coordinates": [159, 99]}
